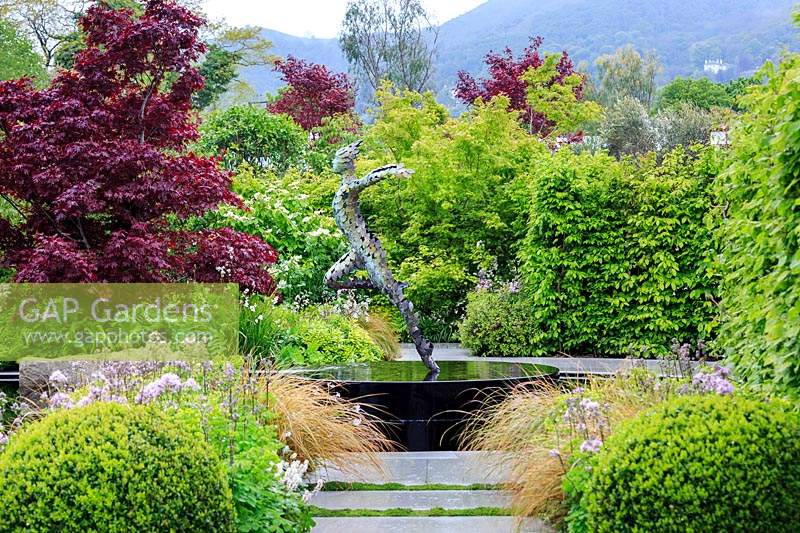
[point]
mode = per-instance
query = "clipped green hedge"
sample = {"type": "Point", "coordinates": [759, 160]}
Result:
{"type": "Point", "coordinates": [498, 324]}
{"type": "Point", "coordinates": [699, 463]}
{"type": "Point", "coordinates": [759, 236]}
{"type": "Point", "coordinates": [111, 467]}
{"type": "Point", "coordinates": [616, 252]}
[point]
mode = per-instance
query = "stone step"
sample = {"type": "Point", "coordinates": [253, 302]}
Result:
{"type": "Point", "coordinates": [439, 524]}
{"type": "Point", "coordinates": [411, 499]}
{"type": "Point", "coordinates": [422, 468]}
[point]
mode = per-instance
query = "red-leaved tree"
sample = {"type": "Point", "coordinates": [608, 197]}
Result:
{"type": "Point", "coordinates": [312, 93]}
{"type": "Point", "coordinates": [92, 167]}
{"type": "Point", "coordinates": [504, 78]}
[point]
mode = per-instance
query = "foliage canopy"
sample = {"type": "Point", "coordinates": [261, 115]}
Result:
{"type": "Point", "coordinates": [760, 248]}
{"type": "Point", "coordinates": [93, 166]}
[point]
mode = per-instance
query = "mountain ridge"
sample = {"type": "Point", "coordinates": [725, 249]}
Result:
{"type": "Point", "coordinates": [683, 34]}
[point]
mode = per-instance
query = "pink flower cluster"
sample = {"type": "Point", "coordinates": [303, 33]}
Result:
{"type": "Point", "coordinates": [169, 382]}
{"type": "Point", "coordinates": [591, 445]}
{"type": "Point", "coordinates": [713, 382]}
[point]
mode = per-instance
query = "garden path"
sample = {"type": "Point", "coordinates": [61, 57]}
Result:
{"type": "Point", "coordinates": [437, 483]}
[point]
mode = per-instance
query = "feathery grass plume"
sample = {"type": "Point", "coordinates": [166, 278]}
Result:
{"type": "Point", "coordinates": [535, 441]}
{"type": "Point", "coordinates": [321, 426]}
{"type": "Point", "coordinates": [382, 333]}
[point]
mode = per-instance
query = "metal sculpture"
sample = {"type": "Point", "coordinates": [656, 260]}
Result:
{"type": "Point", "coordinates": [366, 252]}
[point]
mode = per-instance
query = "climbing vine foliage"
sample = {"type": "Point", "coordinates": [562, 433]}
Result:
{"type": "Point", "coordinates": [760, 234]}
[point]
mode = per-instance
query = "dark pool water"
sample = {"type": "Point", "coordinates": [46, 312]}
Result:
{"type": "Point", "coordinates": [409, 371]}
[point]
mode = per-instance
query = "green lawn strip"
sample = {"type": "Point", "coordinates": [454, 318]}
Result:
{"type": "Point", "coordinates": [319, 512]}
{"type": "Point", "coordinates": [356, 486]}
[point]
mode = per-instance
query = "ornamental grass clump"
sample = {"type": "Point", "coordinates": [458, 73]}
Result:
{"type": "Point", "coordinates": [548, 434]}
{"type": "Point", "coordinates": [699, 463]}
{"type": "Point", "coordinates": [321, 426]}
{"type": "Point", "coordinates": [112, 467]}
{"type": "Point", "coordinates": [380, 329]}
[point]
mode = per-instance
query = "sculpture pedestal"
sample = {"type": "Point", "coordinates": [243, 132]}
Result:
{"type": "Point", "coordinates": [429, 415]}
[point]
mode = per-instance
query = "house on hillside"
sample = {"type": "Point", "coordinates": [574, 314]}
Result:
{"type": "Point", "coordinates": [715, 66]}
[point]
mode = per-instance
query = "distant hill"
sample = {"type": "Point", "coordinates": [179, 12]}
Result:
{"type": "Point", "coordinates": [323, 51]}
{"type": "Point", "coordinates": [684, 33]}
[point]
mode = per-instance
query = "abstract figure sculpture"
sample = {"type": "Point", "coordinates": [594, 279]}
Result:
{"type": "Point", "coordinates": [366, 252]}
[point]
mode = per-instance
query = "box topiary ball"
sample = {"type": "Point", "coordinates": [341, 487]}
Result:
{"type": "Point", "coordinates": [112, 467]}
{"type": "Point", "coordinates": [700, 463]}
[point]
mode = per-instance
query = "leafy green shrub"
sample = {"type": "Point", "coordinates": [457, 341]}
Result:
{"type": "Point", "coordinates": [436, 286]}
{"type": "Point", "coordinates": [498, 324]}
{"type": "Point", "coordinates": [316, 336]}
{"type": "Point", "coordinates": [700, 463]}
{"type": "Point", "coordinates": [263, 503]}
{"type": "Point", "coordinates": [465, 208]}
{"type": "Point", "coordinates": [245, 437]}
{"type": "Point", "coordinates": [109, 467]}
{"type": "Point", "coordinates": [462, 201]}
{"type": "Point", "coordinates": [334, 340]}
{"type": "Point", "coordinates": [759, 238]}
{"type": "Point", "coordinates": [252, 135]}
{"type": "Point", "coordinates": [616, 253]}
{"type": "Point", "coordinates": [334, 132]}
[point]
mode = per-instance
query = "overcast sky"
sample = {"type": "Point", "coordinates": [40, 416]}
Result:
{"type": "Point", "coordinates": [318, 18]}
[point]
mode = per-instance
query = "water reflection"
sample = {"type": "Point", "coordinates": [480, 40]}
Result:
{"type": "Point", "coordinates": [405, 371]}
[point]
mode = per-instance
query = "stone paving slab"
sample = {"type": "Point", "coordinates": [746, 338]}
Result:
{"type": "Point", "coordinates": [421, 468]}
{"type": "Point", "coordinates": [411, 499]}
{"type": "Point", "coordinates": [454, 352]}
{"type": "Point", "coordinates": [443, 524]}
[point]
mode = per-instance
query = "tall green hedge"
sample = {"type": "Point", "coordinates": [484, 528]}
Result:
{"type": "Point", "coordinates": [616, 252]}
{"type": "Point", "coordinates": [759, 236]}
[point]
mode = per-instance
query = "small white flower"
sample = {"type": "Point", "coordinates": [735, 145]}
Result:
{"type": "Point", "coordinates": [318, 232]}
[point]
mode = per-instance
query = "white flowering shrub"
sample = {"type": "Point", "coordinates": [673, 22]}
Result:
{"type": "Point", "coordinates": [279, 212]}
